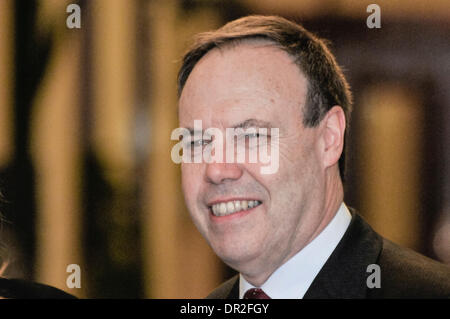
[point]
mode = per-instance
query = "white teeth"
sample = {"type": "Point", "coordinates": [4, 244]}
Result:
{"type": "Point", "coordinates": [223, 208]}
{"type": "Point", "coordinates": [226, 208]}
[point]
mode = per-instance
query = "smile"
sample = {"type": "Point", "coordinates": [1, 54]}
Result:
{"type": "Point", "coordinates": [234, 206]}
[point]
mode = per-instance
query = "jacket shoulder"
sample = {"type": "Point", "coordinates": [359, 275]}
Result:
{"type": "Point", "coordinates": [227, 290]}
{"type": "Point", "coordinates": [22, 289]}
{"type": "Point", "coordinates": [408, 274]}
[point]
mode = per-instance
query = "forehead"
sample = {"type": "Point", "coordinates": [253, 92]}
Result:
{"type": "Point", "coordinates": [243, 79]}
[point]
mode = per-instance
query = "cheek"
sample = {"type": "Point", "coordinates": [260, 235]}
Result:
{"type": "Point", "coordinates": [295, 177]}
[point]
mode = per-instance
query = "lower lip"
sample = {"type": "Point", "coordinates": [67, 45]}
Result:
{"type": "Point", "coordinates": [226, 218]}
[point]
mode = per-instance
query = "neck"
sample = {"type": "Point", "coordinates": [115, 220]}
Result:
{"type": "Point", "coordinates": [333, 198]}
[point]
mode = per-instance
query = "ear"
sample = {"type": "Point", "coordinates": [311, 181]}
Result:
{"type": "Point", "coordinates": [332, 136]}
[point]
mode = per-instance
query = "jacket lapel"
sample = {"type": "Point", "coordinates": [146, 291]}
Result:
{"type": "Point", "coordinates": [345, 273]}
{"type": "Point", "coordinates": [234, 292]}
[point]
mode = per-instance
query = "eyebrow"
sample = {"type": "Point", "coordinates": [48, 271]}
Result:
{"type": "Point", "coordinates": [253, 123]}
{"type": "Point", "coordinates": [244, 125]}
{"type": "Point", "coordinates": [191, 132]}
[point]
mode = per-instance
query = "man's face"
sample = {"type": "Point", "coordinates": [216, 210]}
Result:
{"type": "Point", "coordinates": [259, 84]}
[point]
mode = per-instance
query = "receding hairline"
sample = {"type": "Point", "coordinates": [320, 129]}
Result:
{"type": "Point", "coordinates": [258, 41]}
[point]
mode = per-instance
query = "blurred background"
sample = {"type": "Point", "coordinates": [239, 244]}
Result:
{"type": "Point", "coordinates": [86, 116]}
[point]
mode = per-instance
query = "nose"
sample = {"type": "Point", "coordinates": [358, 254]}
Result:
{"type": "Point", "coordinates": [217, 173]}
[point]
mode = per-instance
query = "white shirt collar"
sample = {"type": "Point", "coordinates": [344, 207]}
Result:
{"type": "Point", "coordinates": [293, 278]}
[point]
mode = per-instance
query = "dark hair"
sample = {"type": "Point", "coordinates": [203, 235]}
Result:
{"type": "Point", "coordinates": [326, 83]}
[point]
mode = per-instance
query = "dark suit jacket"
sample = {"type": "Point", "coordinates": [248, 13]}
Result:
{"type": "Point", "coordinates": [404, 273]}
{"type": "Point", "coordinates": [22, 289]}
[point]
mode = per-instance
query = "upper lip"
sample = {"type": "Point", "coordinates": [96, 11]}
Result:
{"type": "Point", "coordinates": [228, 199]}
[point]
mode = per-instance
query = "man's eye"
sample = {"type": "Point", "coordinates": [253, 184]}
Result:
{"type": "Point", "coordinates": [250, 135]}
{"type": "Point", "coordinates": [256, 135]}
{"type": "Point", "coordinates": [199, 143]}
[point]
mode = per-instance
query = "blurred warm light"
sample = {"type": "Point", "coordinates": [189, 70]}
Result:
{"type": "Point", "coordinates": [6, 80]}
{"type": "Point", "coordinates": [301, 8]}
{"type": "Point", "coordinates": [114, 83]}
{"type": "Point", "coordinates": [56, 153]}
{"type": "Point", "coordinates": [161, 206]}
{"type": "Point", "coordinates": [402, 9]}
{"type": "Point", "coordinates": [182, 264]}
{"type": "Point", "coordinates": [391, 146]}
{"type": "Point", "coordinates": [441, 240]}
{"type": "Point", "coordinates": [51, 15]}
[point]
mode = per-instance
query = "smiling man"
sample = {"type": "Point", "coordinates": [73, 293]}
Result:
{"type": "Point", "coordinates": [289, 233]}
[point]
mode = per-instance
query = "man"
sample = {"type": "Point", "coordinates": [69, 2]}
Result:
{"type": "Point", "coordinates": [288, 234]}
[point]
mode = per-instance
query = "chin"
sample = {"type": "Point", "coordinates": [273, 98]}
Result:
{"type": "Point", "coordinates": [235, 254]}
